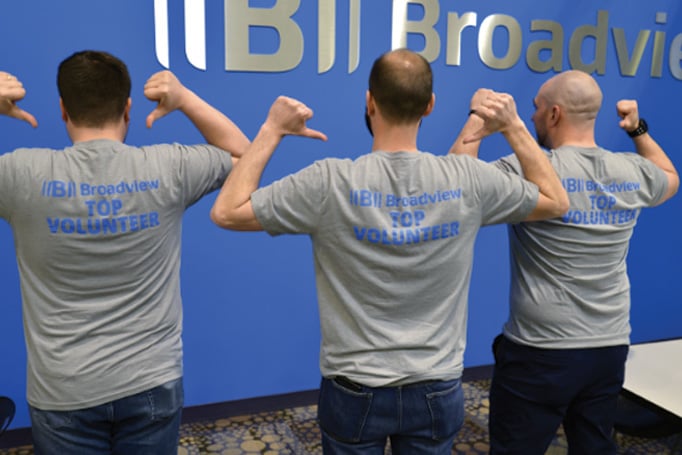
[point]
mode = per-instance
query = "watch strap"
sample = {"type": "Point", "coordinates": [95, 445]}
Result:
{"type": "Point", "coordinates": [642, 128]}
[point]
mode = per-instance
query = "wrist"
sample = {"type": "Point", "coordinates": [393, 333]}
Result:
{"type": "Point", "coordinates": [271, 130]}
{"type": "Point", "coordinates": [186, 100]}
{"type": "Point", "coordinates": [474, 119]}
{"type": "Point", "coordinates": [642, 128]}
{"type": "Point", "coordinates": [516, 126]}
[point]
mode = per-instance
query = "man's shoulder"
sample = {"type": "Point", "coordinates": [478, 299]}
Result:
{"type": "Point", "coordinates": [184, 152]}
{"type": "Point", "coordinates": [30, 153]}
{"type": "Point", "coordinates": [336, 163]}
{"type": "Point", "coordinates": [597, 153]}
{"type": "Point", "coordinates": [177, 146]}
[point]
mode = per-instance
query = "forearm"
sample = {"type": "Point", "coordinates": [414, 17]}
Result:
{"type": "Point", "coordinates": [647, 147]}
{"type": "Point", "coordinates": [537, 167]}
{"type": "Point", "coordinates": [232, 206]}
{"type": "Point", "coordinates": [472, 125]}
{"type": "Point", "coordinates": [215, 127]}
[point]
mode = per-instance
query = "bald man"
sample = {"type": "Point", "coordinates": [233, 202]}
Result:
{"type": "Point", "coordinates": [561, 357]}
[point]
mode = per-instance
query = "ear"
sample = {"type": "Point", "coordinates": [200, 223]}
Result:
{"type": "Point", "coordinates": [371, 103]}
{"type": "Point", "coordinates": [126, 111]}
{"type": "Point", "coordinates": [431, 104]}
{"type": "Point", "coordinates": [555, 116]}
{"type": "Point", "coordinates": [65, 116]}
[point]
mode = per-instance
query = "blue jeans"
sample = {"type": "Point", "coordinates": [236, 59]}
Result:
{"type": "Point", "coordinates": [420, 418]}
{"type": "Point", "coordinates": [535, 390]}
{"type": "Point", "coordinates": [146, 423]}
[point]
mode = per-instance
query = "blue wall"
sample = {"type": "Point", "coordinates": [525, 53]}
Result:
{"type": "Point", "coordinates": [251, 325]}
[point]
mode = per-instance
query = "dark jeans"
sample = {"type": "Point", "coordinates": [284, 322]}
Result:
{"type": "Point", "coordinates": [535, 390]}
{"type": "Point", "coordinates": [420, 418]}
{"type": "Point", "coordinates": [146, 423]}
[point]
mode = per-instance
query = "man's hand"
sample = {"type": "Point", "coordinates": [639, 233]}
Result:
{"type": "Point", "coordinates": [647, 147]}
{"type": "Point", "coordinates": [288, 116]}
{"type": "Point", "coordinates": [11, 91]}
{"type": "Point", "coordinates": [479, 97]}
{"type": "Point", "coordinates": [629, 113]}
{"type": "Point", "coordinates": [232, 208]}
{"type": "Point", "coordinates": [498, 111]}
{"type": "Point", "coordinates": [164, 88]}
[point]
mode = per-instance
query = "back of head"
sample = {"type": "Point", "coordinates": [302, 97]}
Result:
{"type": "Point", "coordinates": [577, 93]}
{"type": "Point", "coordinates": [401, 82]}
{"type": "Point", "coordinates": [94, 87]}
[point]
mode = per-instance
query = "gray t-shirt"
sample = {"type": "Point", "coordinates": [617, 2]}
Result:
{"type": "Point", "coordinates": [97, 230]}
{"type": "Point", "coordinates": [569, 283]}
{"type": "Point", "coordinates": [393, 236]}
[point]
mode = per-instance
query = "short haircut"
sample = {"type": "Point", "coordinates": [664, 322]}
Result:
{"type": "Point", "coordinates": [401, 82]}
{"type": "Point", "coordinates": [94, 87]}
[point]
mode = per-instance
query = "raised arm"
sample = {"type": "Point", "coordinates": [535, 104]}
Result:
{"type": "Point", "coordinates": [11, 91]}
{"type": "Point", "coordinates": [498, 111]}
{"type": "Point", "coordinates": [232, 208]}
{"type": "Point", "coordinates": [164, 88]}
{"type": "Point", "coordinates": [646, 146]}
{"type": "Point", "coordinates": [473, 124]}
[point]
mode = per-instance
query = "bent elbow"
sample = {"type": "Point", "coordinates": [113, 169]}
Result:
{"type": "Point", "coordinates": [562, 206]}
{"type": "Point", "coordinates": [558, 209]}
{"type": "Point", "coordinates": [548, 208]}
{"type": "Point", "coordinates": [674, 185]}
{"type": "Point", "coordinates": [220, 217]}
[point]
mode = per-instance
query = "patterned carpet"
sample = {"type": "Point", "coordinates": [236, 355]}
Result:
{"type": "Point", "coordinates": [294, 431]}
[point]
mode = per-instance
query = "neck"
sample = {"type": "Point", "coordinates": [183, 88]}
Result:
{"type": "Point", "coordinates": [575, 142]}
{"type": "Point", "coordinates": [114, 132]}
{"type": "Point", "coordinates": [579, 136]}
{"type": "Point", "coordinates": [94, 136]}
{"type": "Point", "coordinates": [397, 138]}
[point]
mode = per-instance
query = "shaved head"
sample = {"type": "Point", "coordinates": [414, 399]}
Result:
{"type": "Point", "coordinates": [566, 108]}
{"type": "Point", "coordinates": [576, 92]}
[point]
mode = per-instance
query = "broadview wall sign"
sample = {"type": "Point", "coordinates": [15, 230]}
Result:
{"type": "Point", "coordinates": [542, 46]}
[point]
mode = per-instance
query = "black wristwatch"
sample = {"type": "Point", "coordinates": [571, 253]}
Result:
{"type": "Point", "coordinates": [642, 128]}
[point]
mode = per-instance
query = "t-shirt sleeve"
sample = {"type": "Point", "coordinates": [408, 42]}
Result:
{"type": "Point", "coordinates": [294, 204]}
{"type": "Point", "coordinates": [509, 163]}
{"type": "Point", "coordinates": [654, 181]}
{"type": "Point", "coordinates": [14, 168]}
{"type": "Point", "coordinates": [7, 186]}
{"type": "Point", "coordinates": [201, 170]}
{"type": "Point", "coordinates": [504, 196]}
